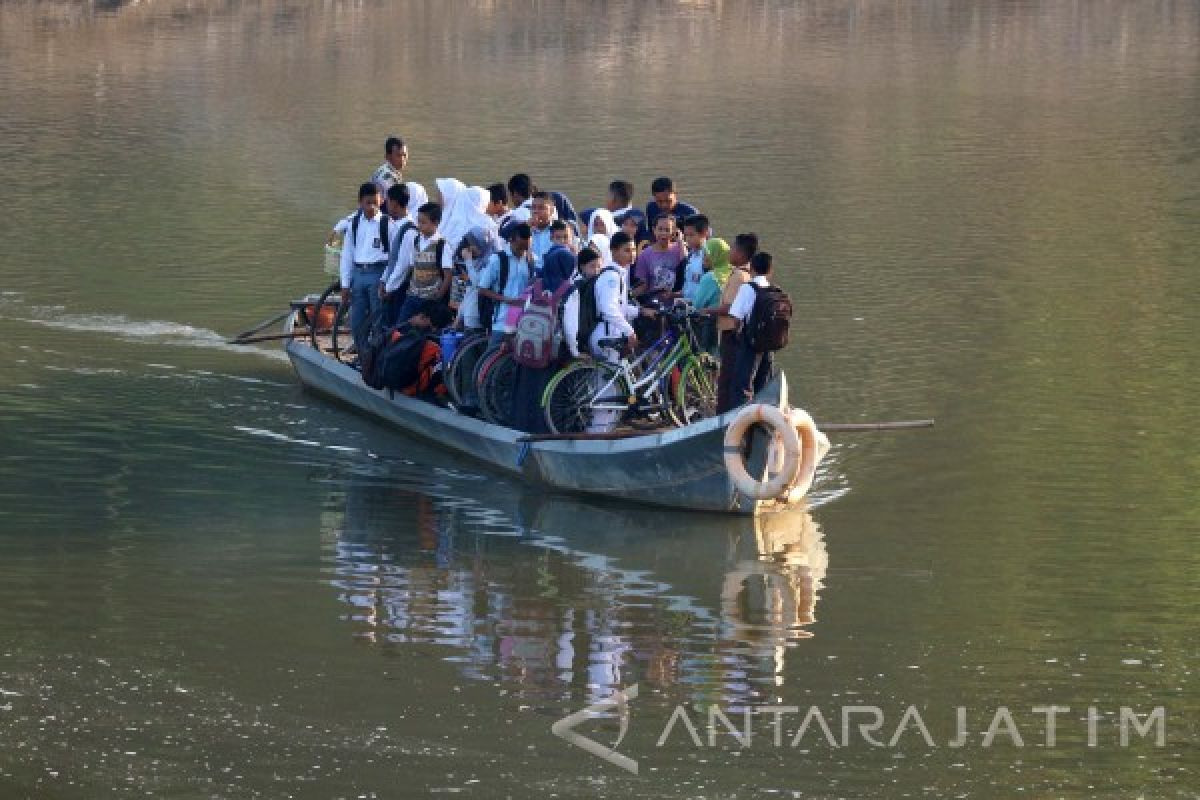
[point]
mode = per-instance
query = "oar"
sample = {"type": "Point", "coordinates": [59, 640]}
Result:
{"type": "Point", "coordinates": [277, 336]}
{"type": "Point", "coordinates": [264, 324]}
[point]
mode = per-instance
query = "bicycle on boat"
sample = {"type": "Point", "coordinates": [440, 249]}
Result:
{"type": "Point", "coordinates": [672, 382]}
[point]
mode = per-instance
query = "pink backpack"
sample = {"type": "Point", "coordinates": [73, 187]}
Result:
{"type": "Point", "coordinates": [533, 345]}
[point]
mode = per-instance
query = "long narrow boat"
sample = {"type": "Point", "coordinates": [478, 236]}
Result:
{"type": "Point", "coordinates": [682, 468]}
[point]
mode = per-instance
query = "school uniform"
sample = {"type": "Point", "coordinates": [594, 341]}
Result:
{"type": "Point", "coordinates": [541, 243]}
{"type": "Point", "coordinates": [364, 257]}
{"type": "Point", "coordinates": [727, 339]}
{"type": "Point", "coordinates": [401, 233]}
{"type": "Point", "coordinates": [423, 264]}
{"type": "Point", "coordinates": [751, 370]}
{"type": "Point", "coordinates": [520, 278]}
{"type": "Point", "coordinates": [693, 271]}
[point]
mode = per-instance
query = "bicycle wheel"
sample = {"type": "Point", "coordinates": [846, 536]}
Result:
{"type": "Point", "coordinates": [572, 397]}
{"type": "Point", "coordinates": [460, 375]}
{"type": "Point", "coordinates": [695, 397]}
{"type": "Point", "coordinates": [496, 385]}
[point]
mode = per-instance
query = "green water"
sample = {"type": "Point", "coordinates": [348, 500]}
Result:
{"type": "Point", "coordinates": [213, 584]}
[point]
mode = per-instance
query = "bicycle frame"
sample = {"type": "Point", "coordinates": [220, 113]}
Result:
{"type": "Point", "coordinates": [655, 365]}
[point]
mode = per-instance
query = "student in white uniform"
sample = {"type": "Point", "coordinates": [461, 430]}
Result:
{"type": "Point", "coordinates": [364, 256]}
{"type": "Point", "coordinates": [401, 232]}
{"type": "Point", "coordinates": [751, 370]}
{"type": "Point", "coordinates": [425, 265]}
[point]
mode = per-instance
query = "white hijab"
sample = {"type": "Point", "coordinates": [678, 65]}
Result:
{"type": "Point", "coordinates": [600, 243]}
{"type": "Point", "coordinates": [473, 205]}
{"type": "Point", "coordinates": [451, 190]}
{"type": "Point", "coordinates": [417, 197]}
{"type": "Point", "coordinates": [609, 222]}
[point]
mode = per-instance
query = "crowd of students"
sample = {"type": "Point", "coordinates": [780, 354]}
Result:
{"type": "Point", "coordinates": [471, 259]}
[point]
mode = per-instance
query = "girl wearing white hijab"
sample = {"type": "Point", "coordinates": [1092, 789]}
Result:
{"type": "Point", "coordinates": [601, 215]}
{"type": "Point", "coordinates": [417, 197]}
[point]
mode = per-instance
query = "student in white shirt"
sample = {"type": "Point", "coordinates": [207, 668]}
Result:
{"type": "Point", "coordinates": [401, 232]}
{"type": "Point", "coordinates": [751, 370]}
{"type": "Point", "coordinates": [426, 264]}
{"type": "Point", "coordinates": [505, 279]}
{"type": "Point", "coordinates": [364, 256]}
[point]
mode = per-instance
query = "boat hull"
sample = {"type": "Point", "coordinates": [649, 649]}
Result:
{"type": "Point", "coordinates": [680, 469]}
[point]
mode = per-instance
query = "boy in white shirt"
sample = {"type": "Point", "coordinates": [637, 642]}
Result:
{"type": "Point", "coordinates": [751, 370]}
{"type": "Point", "coordinates": [425, 264]}
{"type": "Point", "coordinates": [364, 256]}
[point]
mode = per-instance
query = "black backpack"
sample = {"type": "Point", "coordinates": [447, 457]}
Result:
{"type": "Point", "coordinates": [370, 360]}
{"type": "Point", "coordinates": [383, 226]}
{"type": "Point", "coordinates": [400, 365]}
{"type": "Point", "coordinates": [487, 306]}
{"type": "Point", "coordinates": [769, 322]}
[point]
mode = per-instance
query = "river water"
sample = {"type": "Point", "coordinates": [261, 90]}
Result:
{"type": "Point", "coordinates": [213, 584]}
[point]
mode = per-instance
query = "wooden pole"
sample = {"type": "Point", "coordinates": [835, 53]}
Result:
{"type": "Point", "coordinates": [264, 324]}
{"type": "Point", "coordinates": [277, 336]}
{"type": "Point", "coordinates": [862, 427]}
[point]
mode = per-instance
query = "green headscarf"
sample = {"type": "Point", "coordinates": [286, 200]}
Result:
{"type": "Point", "coordinates": [717, 251]}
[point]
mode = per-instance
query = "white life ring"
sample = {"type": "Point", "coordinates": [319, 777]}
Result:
{"type": "Point", "coordinates": [813, 447]}
{"type": "Point", "coordinates": [780, 428]}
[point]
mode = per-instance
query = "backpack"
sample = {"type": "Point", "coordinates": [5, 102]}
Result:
{"type": "Point", "coordinates": [487, 306]}
{"type": "Point", "coordinates": [383, 226]}
{"type": "Point", "coordinates": [533, 345]}
{"type": "Point", "coordinates": [371, 358]}
{"type": "Point", "coordinates": [770, 320]}
{"type": "Point", "coordinates": [400, 365]}
{"type": "Point", "coordinates": [589, 315]}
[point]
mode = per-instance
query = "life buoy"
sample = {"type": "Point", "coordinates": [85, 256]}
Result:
{"type": "Point", "coordinates": [779, 428]}
{"type": "Point", "coordinates": [813, 447]}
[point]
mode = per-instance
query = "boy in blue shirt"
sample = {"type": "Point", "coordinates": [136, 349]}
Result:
{"type": "Point", "coordinates": [515, 264]}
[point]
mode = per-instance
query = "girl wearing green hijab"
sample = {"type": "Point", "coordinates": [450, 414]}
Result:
{"type": "Point", "coordinates": [708, 293]}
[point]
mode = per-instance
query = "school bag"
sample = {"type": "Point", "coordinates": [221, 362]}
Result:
{"type": "Point", "coordinates": [383, 233]}
{"type": "Point", "coordinates": [487, 306]}
{"type": "Point", "coordinates": [533, 344]}
{"type": "Point", "coordinates": [770, 319]}
{"type": "Point", "coordinates": [400, 365]}
{"type": "Point", "coordinates": [589, 316]}
{"type": "Point", "coordinates": [371, 358]}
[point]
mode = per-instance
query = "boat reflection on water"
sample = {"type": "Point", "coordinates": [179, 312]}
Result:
{"type": "Point", "coordinates": [550, 595]}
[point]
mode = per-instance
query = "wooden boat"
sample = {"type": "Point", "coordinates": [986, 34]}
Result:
{"type": "Point", "coordinates": [681, 468]}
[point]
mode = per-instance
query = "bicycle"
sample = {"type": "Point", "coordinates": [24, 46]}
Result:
{"type": "Point", "coordinates": [672, 380]}
{"type": "Point", "coordinates": [460, 373]}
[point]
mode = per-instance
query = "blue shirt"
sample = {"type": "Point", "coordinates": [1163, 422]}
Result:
{"type": "Point", "coordinates": [520, 277]}
{"type": "Point", "coordinates": [692, 274]}
{"type": "Point", "coordinates": [540, 244]}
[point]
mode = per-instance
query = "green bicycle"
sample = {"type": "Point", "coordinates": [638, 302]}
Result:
{"type": "Point", "coordinates": [672, 382]}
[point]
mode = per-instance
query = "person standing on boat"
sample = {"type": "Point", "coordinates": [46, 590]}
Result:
{"type": "Point", "coordinates": [425, 265]}
{"type": "Point", "coordinates": [695, 236]}
{"type": "Point", "coordinates": [401, 232]}
{"type": "Point", "coordinates": [667, 202]}
{"type": "Point", "coordinates": [751, 369]}
{"type": "Point", "coordinates": [497, 207]}
{"type": "Point", "coordinates": [506, 278]}
{"type": "Point", "coordinates": [364, 257]}
{"type": "Point", "coordinates": [540, 219]}
{"type": "Point", "coordinates": [745, 245]}
{"type": "Point", "coordinates": [391, 171]}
